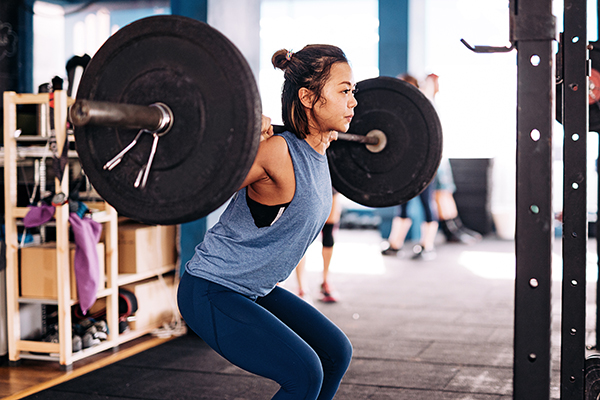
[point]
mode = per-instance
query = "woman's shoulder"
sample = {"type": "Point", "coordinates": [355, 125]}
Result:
{"type": "Point", "coordinates": [273, 150]}
{"type": "Point", "coordinates": [276, 143]}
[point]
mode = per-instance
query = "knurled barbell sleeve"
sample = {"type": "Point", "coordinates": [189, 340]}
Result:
{"type": "Point", "coordinates": [153, 118]}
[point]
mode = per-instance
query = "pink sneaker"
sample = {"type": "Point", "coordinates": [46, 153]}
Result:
{"type": "Point", "coordinates": [326, 294]}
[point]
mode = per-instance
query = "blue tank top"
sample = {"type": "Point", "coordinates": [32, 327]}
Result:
{"type": "Point", "coordinates": [237, 254]}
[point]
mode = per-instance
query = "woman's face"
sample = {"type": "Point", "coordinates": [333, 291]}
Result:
{"type": "Point", "coordinates": [335, 109]}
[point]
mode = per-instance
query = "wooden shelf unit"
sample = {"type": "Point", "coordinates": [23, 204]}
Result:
{"type": "Point", "coordinates": [61, 351]}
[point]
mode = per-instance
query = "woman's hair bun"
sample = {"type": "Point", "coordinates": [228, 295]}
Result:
{"type": "Point", "coordinates": [280, 59]}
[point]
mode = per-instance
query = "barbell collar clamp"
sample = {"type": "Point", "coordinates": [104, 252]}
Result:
{"type": "Point", "coordinates": [166, 120]}
{"type": "Point", "coordinates": [381, 141]}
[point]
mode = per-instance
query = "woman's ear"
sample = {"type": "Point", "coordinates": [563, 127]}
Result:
{"type": "Point", "coordinates": [306, 97]}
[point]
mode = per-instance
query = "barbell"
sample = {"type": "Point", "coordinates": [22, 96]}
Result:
{"type": "Point", "coordinates": [158, 119]}
{"type": "Point", "coordinates": [167, 119]}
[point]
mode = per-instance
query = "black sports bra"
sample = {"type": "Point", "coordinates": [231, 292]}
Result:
{"type": "Point", "coordinates": [264, 215]}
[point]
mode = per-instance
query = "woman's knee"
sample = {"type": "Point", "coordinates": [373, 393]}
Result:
{"type": "Point", "coordinates": [348, 350]}
{"type": "Point", "coordinates": [304, 380]}
{"type": "Point", "coordinates": [343, 353]}
{"type": "Point", "coordinates": [184, 291]}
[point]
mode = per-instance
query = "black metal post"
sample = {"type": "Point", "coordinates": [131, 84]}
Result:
{"type": "Point", "coordinates": [574, 240]}
{"type": "Point", "coordinates": [533, 30]}
{"type": "Point", "coordinates": [597, 344]}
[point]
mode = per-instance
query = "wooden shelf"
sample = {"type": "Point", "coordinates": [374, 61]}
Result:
{"type": "Point", "coordinates": [122, 280]}
{"type": "Point", "coordinates": [34, 147]}
{"type": "Point", "coordinates": [127, 279]}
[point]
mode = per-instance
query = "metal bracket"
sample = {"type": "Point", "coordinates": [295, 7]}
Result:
{"type": "Point", "coordinates": [523, 26]}
{"type": "Point", "coordinates": [488, 49]}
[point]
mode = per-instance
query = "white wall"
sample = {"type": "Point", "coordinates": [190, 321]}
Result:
{"type": "Point", "coordinates": [48, 43]}
{"type": "Point", "coordinates": [416, 34]}
{"type": "Point", "coordinates": [239, 20]}
{"type": "Point", "coordinates": [353, 25]}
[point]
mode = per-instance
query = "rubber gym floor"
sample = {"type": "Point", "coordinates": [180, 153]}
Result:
{"type": "Point", "coordinates": [438, 329]}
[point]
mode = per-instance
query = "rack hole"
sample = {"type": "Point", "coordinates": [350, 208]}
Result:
{"type": "Point", "coordinates": [533, 283]}
{"type": "Point", "coordinates": [574, 234]}
{"type": "Point", "coordinates": [575, 185]}
{"type": "Point", "coordinates": [532, 357]}
{"type": "Point", "coordinates": [575, 137]}
{"type": "Point", "coordinates": [574, 87]}
{"type": "Point", "coordinates": [535, 135]}
{"type": "Point", "coordinates": [575, 39]}
{"type": "Point", "coordinates": [534, 209]}
{"type": "Point", "coordinates": [535, 60]}
{"type": "Point", "coordinates": [573, 282]}
{"type": "Point", "coordinates": [572, 379]}
{"type": "Point", "coordinates": [573, 331]}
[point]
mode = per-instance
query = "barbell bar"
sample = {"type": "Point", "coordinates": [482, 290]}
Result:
{"type": "Point", "coordinates": [158, 118]}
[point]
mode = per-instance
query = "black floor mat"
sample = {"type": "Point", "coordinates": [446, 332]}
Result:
{"type": "Point", "coordinates": [183, 368]}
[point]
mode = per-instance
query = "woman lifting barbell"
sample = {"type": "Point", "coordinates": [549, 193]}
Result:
{"type": "Point", "coordinates": [228, 294]}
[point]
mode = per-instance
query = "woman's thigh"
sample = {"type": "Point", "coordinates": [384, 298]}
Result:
{"type": "Point", "coordinates": [322, 335]}
{"type": "Point", "coordinates": [304, 319]}
{"type": "Point", "coordinates": [250, 337]}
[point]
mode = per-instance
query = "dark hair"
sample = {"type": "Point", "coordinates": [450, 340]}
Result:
{"type": "Point", "coordinates": [309, 68]}
{"type": "Point", "coordinates": [410, 79]}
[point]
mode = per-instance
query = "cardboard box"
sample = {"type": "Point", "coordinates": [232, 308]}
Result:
{"type": "Point", "coordinates": [38, 271]}
{"type": "Point", "coordinates": [145, 247]}
{"type": "Point", "coordinates": [155, 300]}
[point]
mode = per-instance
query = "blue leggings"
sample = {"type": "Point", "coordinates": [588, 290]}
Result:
{"type": "Point", "coordinates": [426, 198]}
{"type": "Point", "coordinates": [279, 336]}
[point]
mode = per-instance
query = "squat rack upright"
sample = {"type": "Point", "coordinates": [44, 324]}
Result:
{"type": "Point", "coordinates": [532, 33]}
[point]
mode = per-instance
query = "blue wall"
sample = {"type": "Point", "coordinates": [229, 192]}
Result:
{"type": "Point", "coordinates": [197, 9]}
{"type": "Point", "coordinates": [393, 61]}
{"type": "Point", "coordinates": [191, 233]}
{"type": "Point", "coordinates": [393, 37]}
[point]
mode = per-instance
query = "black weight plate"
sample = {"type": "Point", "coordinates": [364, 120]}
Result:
{"type": "Point", "coordinates": [592, 377]}
{"type": "Point", "coordinates": [208, 85]}
{"type": "Point", "coordinates": [410, 160]}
